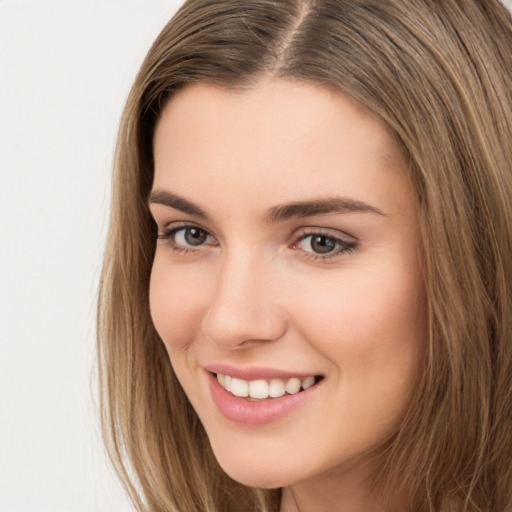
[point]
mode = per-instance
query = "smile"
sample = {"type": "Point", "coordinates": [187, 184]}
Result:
{"type": "Point", "coordinates": [262, 389]}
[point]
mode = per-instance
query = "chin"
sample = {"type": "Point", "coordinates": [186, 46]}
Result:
{"type": "Point", "coordinates": [262, 479]}
{"type": "Point", "coordinates": [256, 471]}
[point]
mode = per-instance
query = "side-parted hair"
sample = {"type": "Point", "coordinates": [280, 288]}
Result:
{"type": "Point", "coordinates": [439, 75]}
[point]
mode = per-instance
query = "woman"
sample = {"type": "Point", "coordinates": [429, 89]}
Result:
{"type": "Point", "coordinates": [306, 297]}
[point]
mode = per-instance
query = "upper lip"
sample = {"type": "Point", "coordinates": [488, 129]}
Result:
{"type": "Point", "coordinates": [255, 372]}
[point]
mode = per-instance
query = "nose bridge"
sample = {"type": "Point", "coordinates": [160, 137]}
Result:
{"type": "Point", "coordinates": [243, 306]}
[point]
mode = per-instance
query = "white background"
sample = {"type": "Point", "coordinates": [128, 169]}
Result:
{"type": "Point", "coordinates": [65, 70]}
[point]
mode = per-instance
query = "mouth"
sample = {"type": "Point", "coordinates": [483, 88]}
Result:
{"type": "Point", "coordinates": [266, 389]}
{"type": "Point", "coordinates": [258, 396]}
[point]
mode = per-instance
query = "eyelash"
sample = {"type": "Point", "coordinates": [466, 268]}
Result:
{"type": "Point", "coordinates": [342, 246]}
{"type": "Point", "coordinates": [169, 234]}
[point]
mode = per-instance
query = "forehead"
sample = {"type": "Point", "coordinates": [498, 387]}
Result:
{"type": "Point", "coordinates": [279, 107]}
{"type": "Point", "coordinates": [290, 137]}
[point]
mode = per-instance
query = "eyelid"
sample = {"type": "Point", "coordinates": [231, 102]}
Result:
{"type": "Point", "coordinates": [167, 233]}
{"type": "Point", "coordinates": [332, 232]}
{"type": "Point", "coordinates": [180, 224]}
{"type": "Point", "coordinates": [347, 243]}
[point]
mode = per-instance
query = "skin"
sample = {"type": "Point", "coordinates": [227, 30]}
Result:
{"type": "Point", "coordinates": [258, 294]}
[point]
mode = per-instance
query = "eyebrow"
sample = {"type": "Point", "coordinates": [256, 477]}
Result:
{"type": "Point", "coordinates": [279, 213]}
{"type": "Point", "coordinates": [321, 206]}
{"type": "Point", "coordinates": [176, 202]}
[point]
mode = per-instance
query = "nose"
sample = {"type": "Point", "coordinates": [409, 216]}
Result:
{"type": "Point", "coordinates": [245, 306]}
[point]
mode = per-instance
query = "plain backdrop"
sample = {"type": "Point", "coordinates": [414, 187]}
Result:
{"type": "Point", "coordinates": [65, 70]}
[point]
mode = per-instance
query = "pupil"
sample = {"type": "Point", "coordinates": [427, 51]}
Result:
{"type": "Point", "coordinates": [195, 236]}
{"type": "Point", "coordinates": [322, 244]}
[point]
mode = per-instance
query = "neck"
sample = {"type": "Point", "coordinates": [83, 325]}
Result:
{"type": "Point", "coordinates": [326, 496]}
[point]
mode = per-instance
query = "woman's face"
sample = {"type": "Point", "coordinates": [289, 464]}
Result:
{"type": "Point", "coordinates": [286, 259]}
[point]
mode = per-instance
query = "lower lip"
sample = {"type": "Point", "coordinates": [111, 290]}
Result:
{"type": "Point", "coordinates": [240, 410]}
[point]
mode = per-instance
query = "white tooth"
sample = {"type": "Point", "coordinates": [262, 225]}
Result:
{"type": "Point", "coordinates": [220, 378]}
{"type": "Point", "coordinates": [308, 382]}
{"type": "Point", "coordinates": [239, 387]}
{"type": "Point", "coordinates": [258, 389]}
{"type": "Point", "coordinates": [276, 388]}
{"type": "Point", "coordinates": [293, 385]}
{"type": "Point", "coordinates": [227, 382]}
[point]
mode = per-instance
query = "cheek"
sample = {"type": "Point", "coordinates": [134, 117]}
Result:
{"type": "Point", "coordinates": [366, 322]}
{"type": "Point", "coordinates": [176, 300]}
{"type": "Point", "coordinates": [373, 333]}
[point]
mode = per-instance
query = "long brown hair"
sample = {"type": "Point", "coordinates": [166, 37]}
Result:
{"type": "Point", "coordinates": [439, 74]}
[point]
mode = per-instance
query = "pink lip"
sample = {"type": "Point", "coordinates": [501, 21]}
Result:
{"type": "Point", "coordinates": [253, 372]}
{"type": "Point", "coordinates": [240, 410]}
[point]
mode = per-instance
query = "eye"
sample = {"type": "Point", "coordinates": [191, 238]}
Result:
{"type": "Point", "coordinates": [186, 237]}
{"type": "Point", "coordinates": [321, 245]}
{"type": "Point", "coordinates": [190, 236]}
